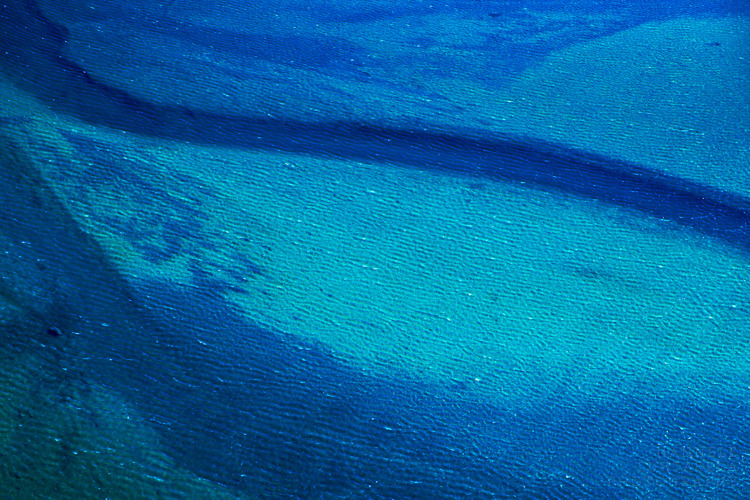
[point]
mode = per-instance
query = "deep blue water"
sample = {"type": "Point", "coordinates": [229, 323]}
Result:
{"type": "Point", "coordinates": [257, 409]}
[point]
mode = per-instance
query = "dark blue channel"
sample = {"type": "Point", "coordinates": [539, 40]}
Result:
{"type": "Point", "coordinates": [473, 153]}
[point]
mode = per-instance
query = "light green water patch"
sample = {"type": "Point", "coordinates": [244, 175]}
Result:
{"type": "Point", "coordinates": [493, 288]}
{"type": "Point", "coordinates": [499, 287]}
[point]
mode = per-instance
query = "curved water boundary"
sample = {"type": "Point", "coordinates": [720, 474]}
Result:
{"type": "Point", "coordinates": [277, 417]}
{"type": "Point", "coordinates": [258, 410]}
{"type": "Point", "coordinates": [472, 153]}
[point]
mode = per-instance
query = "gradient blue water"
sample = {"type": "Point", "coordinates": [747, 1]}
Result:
{"type": "Point", "coordinates": [264, 412]}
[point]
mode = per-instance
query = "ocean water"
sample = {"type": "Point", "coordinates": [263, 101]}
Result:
{"type": "Point", "coordinates": [374, 250]}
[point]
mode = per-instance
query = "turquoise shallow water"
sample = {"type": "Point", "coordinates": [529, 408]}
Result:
{"type": "Point", "coordinates": [361, 252]}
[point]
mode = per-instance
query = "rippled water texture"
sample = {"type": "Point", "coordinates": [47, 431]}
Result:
{"type": "Point", "coordinates": [374, 250]}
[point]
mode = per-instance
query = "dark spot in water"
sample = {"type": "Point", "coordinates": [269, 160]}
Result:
{"type": "Point", "coordinates": [53, 331]}
{"type": "Point", "coordinates": [593, 273]}
{"type": "Point", "coordinates": [477, 186]}
{"type": "Point", "coordinates": [204, 279]}
{"type": "Point", "coordinates": [157, 253]}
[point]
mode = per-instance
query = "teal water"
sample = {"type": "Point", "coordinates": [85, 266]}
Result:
{"type": "Point", "coordinates": [308, 253]}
